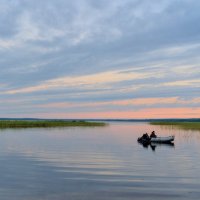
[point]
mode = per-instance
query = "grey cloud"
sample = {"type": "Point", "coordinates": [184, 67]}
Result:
{"type": "Point", "coordinates": [44, 40]}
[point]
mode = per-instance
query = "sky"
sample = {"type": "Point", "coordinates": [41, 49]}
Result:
{"type": "Point", "coordinates": [100, 59]}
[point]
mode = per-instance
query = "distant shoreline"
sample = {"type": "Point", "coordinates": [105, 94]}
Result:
{"type": "Point", "coordinates": [108, 120]}
{"type": "Point", "coordinates": [46, 123]}
{"type": "Point", "coordinates": [183, 125]}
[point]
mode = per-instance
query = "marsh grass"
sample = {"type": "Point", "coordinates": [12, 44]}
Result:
{"type": "Point", "coordinates": [182, 125]}
{"type": "Point", "coordinates": [46, 123]}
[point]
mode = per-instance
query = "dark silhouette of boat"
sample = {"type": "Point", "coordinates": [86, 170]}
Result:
{"type": "Point", "coordinates": [145, 139]}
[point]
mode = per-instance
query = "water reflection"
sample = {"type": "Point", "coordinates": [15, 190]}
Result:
{"type": "Point", "coordinates": [100, 163]}
{"type": "Point", "coordinates": [186, 133]}
{"type": "Point", "coordinates": [153, 146]}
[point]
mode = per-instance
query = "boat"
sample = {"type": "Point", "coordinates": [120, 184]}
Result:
{"type": "Point", "coordinates": [144, 141]}
{"type": "Point", "coordinates": [156, 144]}
{"type": "Point", "coordinates": [147, 141]}
{"type": "Point", "coordinates": [168, 139]}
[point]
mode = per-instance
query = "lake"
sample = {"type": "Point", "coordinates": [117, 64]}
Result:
{"type": "Point", "coordinates": [83, 163]}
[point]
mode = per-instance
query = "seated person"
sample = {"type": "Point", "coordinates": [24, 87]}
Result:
{"type": "Point", "coordinates": [153, 135]}
{"type": "Point", "coordinates": [146, 136]}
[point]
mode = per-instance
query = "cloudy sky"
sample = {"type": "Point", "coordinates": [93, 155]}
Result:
{"type": "Point", "coordinates": [100, 58]}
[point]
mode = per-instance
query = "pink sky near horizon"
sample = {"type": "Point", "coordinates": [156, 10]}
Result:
{"type": "Point", "coordinates": [141, 114]}
{"type": "Point", "coordinates": [149, 113]}
{"type": "Point", "coordinates": [88, 62]}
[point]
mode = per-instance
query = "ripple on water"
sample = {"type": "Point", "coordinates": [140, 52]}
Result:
{"type": "Point", "coordinates": [103, 163]}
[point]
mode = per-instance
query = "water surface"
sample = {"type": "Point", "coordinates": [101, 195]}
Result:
{"type": "Point", "coordinates": [98, 163]}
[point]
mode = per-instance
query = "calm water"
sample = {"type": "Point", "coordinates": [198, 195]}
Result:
{"type": "Point", "coordinates": [98, 163]}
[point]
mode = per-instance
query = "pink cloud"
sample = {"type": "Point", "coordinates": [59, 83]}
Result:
{"type": "Point", "coordinates": [134, 102]}
{"type": "Point", "coordinates": [183, 112]}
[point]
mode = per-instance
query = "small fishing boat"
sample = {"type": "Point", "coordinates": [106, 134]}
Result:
{"type": "Point", "coordinates": [146, 140]}
{"type": "Point", "coordinates": [168, 139]}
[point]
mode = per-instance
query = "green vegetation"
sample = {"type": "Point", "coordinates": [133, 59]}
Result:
{"type": "Point", "coordinates": [46, 123]}
{"type": "Point", "coordinates": [182, 125]}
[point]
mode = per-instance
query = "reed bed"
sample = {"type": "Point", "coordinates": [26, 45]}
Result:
{"type": "Point", "coordinates": [183, 125]}
{"type": "Point", "coordinates": [46, 123]}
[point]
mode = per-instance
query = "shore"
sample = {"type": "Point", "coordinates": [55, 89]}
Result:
{"type": "Point", "coordinates": [46, 123]}
{"type": "Point", "coordinates": [182, 125]}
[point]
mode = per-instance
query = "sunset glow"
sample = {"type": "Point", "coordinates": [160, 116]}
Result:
{"type": "Point", "coordinates": [115, 59]}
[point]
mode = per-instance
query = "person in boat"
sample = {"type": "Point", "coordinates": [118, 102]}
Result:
{"type": "Point", "coordinates": [146, 136]}
{"type": "Point", "coordinates": [153, 135]}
